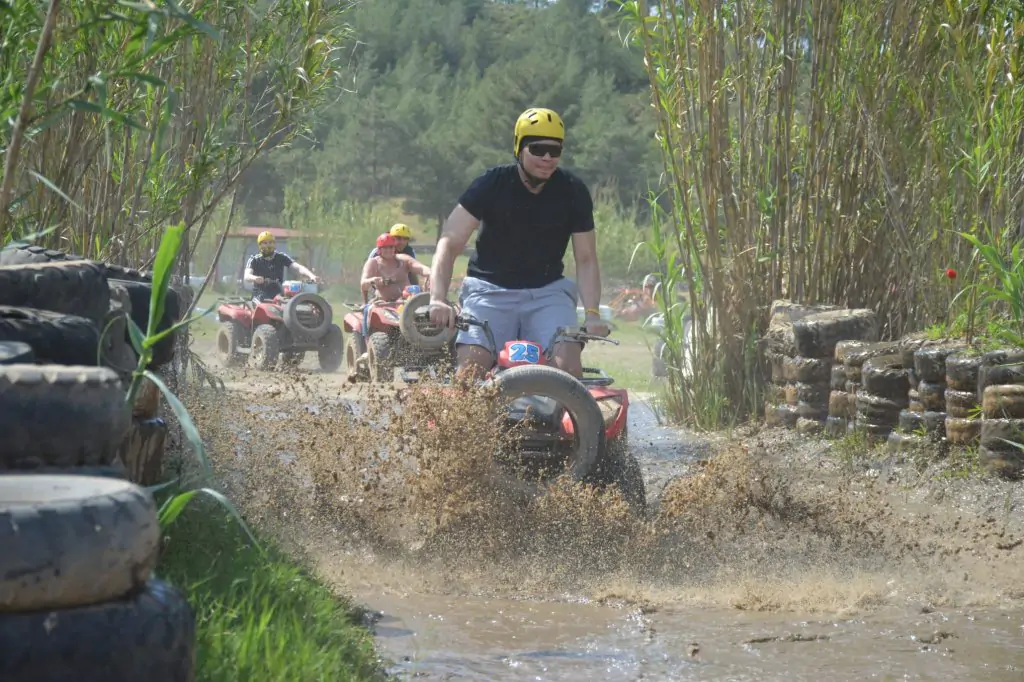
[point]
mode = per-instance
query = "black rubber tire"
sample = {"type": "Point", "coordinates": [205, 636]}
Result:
{"type": "Point", "coordinates": [140, 293]}
{"type": "Point", "coordinates": [73, 540]}
{"type": "Point", "coordinates": [266, 347]}
{"type": "Point", "coordinates": [331, 354]}
{"type": "Point", "coordinates": [786, 415]}
{"type": "Point", "coordinates": [932, 395]}
{"type": "Point", "coordinates": [930, 362]}
{"type": "Point", "coordinates": [228, 335]}
{"type": "Point", "coordinates": [995, 433]}
{"type": "Point", "coordinates": [812, 411]}
{"type": "Point", "coordinates": [902, 442]}
{"type": "Point", "coordinates": [806, 370]}
{"type": "Point", "coordinates": [815, 394]}
{"type": "Point", "coordinates": [55, 338]}
{"type": "Point", "coordinates": [961, 404]}
{"type": "Point", "coordinates": [1000, 367]}
{"type": "Point", "coordinates": [844, 348]}
{"type": "Point", "coordinates": [885, 376]}
{"type": "Point", "coordinates": [378, 358]}
{"type": "Point", "coordinates": [411, 332]}
{"type": "Point", "coordinates": [838, 380]}
{"type": "Point", "coordinates": [962, 371]}
{"type": "Point", "coordinates": [74, 288]}
{"type": "Point", "coordinates": [115, 343]}
{"type": "Point", "coordinates": [839, 404]}
{"type": "Point", "coordinates": [878, 410]}
{"type": "Point", "coordinates": [963, 431]}
{"type": "Point", "coordinates": [16, 353]}
{"type": "Point", "coordinates": [21, 255]}
{"type": "Point", "coordinates": [562, 387]}
{"type": "Point", "coordinates": [1005, 462]}
{"type": "Point", "coordinates": [935, 424]}
{"type": "Point", "coordinates": [856, 357]}
{"type": "Point", "coordinates": [816, 335]}
{"type": "Point", "coordinates": [910, 422]}
{"type": "Point", "coordinates": [1003, 401]}
{"type": "Point", "coordinates": [150, 635]}
{"type": "Point", "coordinates": [354, 349]}
{"type": "Point", "coordinates": [114, 470]}
{"type": "Point", "coordinates": [54, 415]}
{"type": "Point", "coordinates": [289, 313]}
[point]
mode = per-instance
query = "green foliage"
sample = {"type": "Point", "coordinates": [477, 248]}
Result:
{"type": "Point", "coordinates": [262, 616]}
{"type": "Point", "coordinates": [829, 153]}
{"type": "Point", "coordinates": [437, 88]}
{"type": "Point", "coordinates": [143, 114]}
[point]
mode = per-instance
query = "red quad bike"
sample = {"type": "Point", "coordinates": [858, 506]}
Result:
{"type": "Point", "coordinates": [562, 423]}
{"type": "Point", "coordinates": [376, 344]}
{"type": "Point", "coordinates": [280, 330]}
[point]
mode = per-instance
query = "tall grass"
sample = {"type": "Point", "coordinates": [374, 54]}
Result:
{"type": "Point", "coordinates": [129, 116]}
{"type": "Point", "coordinates": [826, 152]}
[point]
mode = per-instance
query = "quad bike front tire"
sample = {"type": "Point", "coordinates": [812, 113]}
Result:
{"type": "Point", "coordinates": [378, 358]}
{"type": "Point", "coordinates": [228, 336]}
{"type": "Point", "coordinates": [354, 349]}
{"type": "Point", "coordinates": [332, 349]}
{"type": "Point", "coordinates": [265, 348]}
{"type": "Point", "coordinates": [290, 315]}
{"type": "Point", "coordinates": [565, 389]}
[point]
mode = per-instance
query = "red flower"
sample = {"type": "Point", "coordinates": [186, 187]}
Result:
{"type": "Point", "coordinates": [951, 273]}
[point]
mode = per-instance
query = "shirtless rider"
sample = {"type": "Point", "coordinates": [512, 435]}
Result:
{"type": "Point", "coordinates": [388, 272]}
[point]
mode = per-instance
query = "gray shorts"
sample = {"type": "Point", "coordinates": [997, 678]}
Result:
{"type": "Point", "coordinates": [526, 314]}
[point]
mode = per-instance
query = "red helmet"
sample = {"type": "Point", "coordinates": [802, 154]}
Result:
{"type": "Point", "coordinates": [386, 239]}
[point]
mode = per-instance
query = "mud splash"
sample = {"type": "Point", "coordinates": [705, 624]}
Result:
{"type": "Point", "coordinates": [738, 543]}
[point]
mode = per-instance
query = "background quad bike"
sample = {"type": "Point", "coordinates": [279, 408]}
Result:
{"type": "Point", "coordinates": [375, 333]}
{"type": "Point", "coordinates": [531, 388]}
{"type": "Point", "coordinates": [284, 329]}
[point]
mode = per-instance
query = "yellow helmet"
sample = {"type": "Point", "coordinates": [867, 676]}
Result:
{"type": "Point", "coordinates": [264, 236]}
{"type": "Point", "coordinates": [401, 230]}
{"type": "Point", "coordinates": [538, 122]}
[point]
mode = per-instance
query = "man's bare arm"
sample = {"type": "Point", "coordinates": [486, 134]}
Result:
{"type": "Point", "coordinates": [368, 277]}
{"type": "Point", "coordinates": [456, 232]}
{"type": "Point", "coordinates": [303, 270]}
{"type": "Point", "coordinates": [588, 270]}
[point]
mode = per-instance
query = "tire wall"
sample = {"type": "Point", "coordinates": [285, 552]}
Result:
{"type": "Point", "coordinates": [80, 532]}
{"type": "Point", "coordinates": [829, 372]}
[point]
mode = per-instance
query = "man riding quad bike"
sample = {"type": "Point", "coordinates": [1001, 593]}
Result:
{"type": "Point", "coordinates": [280, 322]}
{"type": "Point", "coordinates": [559, 423]}
{"type": "Point", "coordinates": [527, 212]}
{"type": "Point", "coordinates": [375, 346]}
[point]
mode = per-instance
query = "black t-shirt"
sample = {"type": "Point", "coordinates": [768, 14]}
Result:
{"type": "Point", "coordinates": [523, 236]}
{"type": "Point", "coordinates": [274, 268]}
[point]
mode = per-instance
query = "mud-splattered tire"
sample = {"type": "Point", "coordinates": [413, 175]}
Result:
{"type": "Point", "coordinates": [22, 255]}
{"type": "Point", "coordinates": [961, 404]}
{"type": "Point", "coordinates": [296, 323]}
{"type": "Point", "coordinates": [53, 415]}
{"type": "Point", "coordinates": [16, 353]}
{"type": "Point", "coordinates": [354, 349]}
{"type": "Point", "coordinates": [378, 358]}
{"type": "Point", "coordinates": [73, 540]}
{"type": "Point", "coordinates": [885, 376]}
{"type": "Point", "coordinates": [816, 335]}
{"type": "Point", "coordinates": [879, 410]}
{"type": "Point", "coordinates": [838, 378]}
{"type": "Point", "coordinates": [74, 288]}
{"type": "Point", "coordinates": [140, 293]}
{"type": "Point", "coordinates": [838, 404]}
{"type": "Point", "coordinates": [910, 421]}
{"type": "Point", "coordinates": [806, 370]}
{"type": "Point", "coordinates": [332, 350]}
{"type": "Point", "coordinates": [1006, 462]}
{"type": "Point", "coordinates": [1003, 401]}
{"type": "Point", "coordinates": [149, 635]}
{"type": "Point", "coordinates": [962, 431]}
{"type": "Point", "coordinates": [930, 363]}
{"type": "Point", "coordinates": [855, 357]}
{"type": "Point", "coordinates": [411, 331]}
{"type": "Point", "coordinates": [54, 337]}
{"type": "Point", "coordinates": [835, 427]}
{"type": "Point", "coordinates": [962, 371]}
{"type": "Point", "coordinates": [563, 388]}
{"type": "Point", "coordinates": [228, 336]}
{"type": "Point", "coordinates": [786, 415]}
{"type": "Point", "coordinates": [265, 348]}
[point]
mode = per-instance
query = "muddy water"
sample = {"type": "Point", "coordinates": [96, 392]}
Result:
{"type": "Point", "coordinates": [763, 567]}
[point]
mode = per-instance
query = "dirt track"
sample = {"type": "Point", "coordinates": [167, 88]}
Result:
{"type": "Point", "coordinates": [773, 561]}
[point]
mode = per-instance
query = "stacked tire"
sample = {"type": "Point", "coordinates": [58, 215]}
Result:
{"type": "Point", "coordinates": [930, 369]}
{"type": "Point", "coordinates": [963, 422]}
{"type": "Point", "coordinates": [841, 403]}
{"type": "Point", "coordinates": [1001, 383]}
{"type": "Point", "coordinates": [873, 414]}
{"type": "Point", "coordinates": [791, 380]}
{"type": "Point", "coordinates": [77, 596]}
{"type": "Point", "coordinates": [72, 311]}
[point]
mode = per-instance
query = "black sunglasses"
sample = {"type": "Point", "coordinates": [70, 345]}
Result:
{"type": "Point", "coordinates": [539, 149]}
